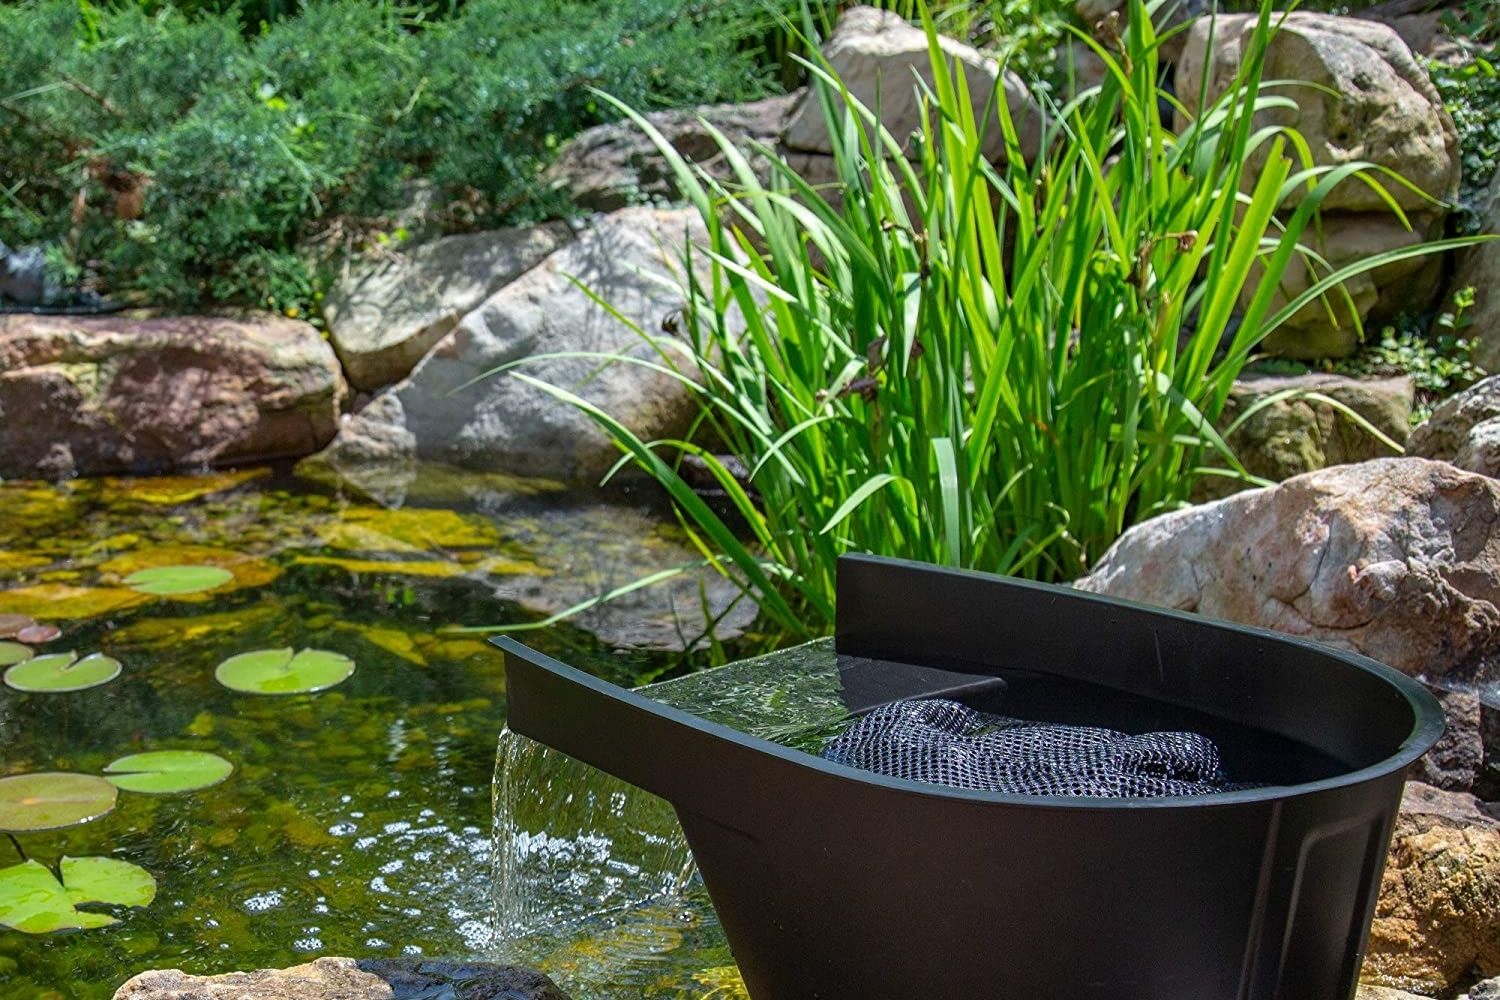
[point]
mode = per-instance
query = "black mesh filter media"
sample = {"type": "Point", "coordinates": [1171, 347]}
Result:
{"type": "Point", "coordinates": [948, 743]}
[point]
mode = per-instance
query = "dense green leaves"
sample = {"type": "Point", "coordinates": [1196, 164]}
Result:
{"type": "Point", "coordinates": [162, 771]}
{"type": "Point", "coordinates": [52, 800]}
{"type": "Point", "coordinates": [33, 901]}
{"type": "Point", "coordinates": [220, 165]}
{"type": "Point", "coordinates": [169, 580]}
{"type": "Point", "coordinates": [280, 671]}
{"type": "Point", "coordinates": [62, 672]}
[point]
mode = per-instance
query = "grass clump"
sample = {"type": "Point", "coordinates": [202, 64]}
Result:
{"type": "Point", "coordinates": [990, 367]}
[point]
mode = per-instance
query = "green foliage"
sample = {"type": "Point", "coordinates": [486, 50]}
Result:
{"type": "Point", "coordinates": [991, 368]}
{"type": "Point", "coordinates": [1471, 92]}
{"type": "Point", "coordinates": [1439, 361]}
{"type": "Point", "coordinates": [219, 167]}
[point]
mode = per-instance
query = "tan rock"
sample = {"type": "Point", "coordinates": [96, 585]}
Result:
{"type": "Point", "coordinates": [1397, 558]}
{"type": "Point", "coordinates": [86, 395]}
{"type": "Point", "coordinates": [879, 56]}
{"type": "Point", "coordinates": [1325, 328]}
{"type": "Point", "coordinates": [386, 313]}
{"type": "Point", "coordinates": [1369, 100]}
{"type": "Point", "coordinates": [348, 979]}
{"type": "Point", "coordinates": [1479, 268]}
{"type": "Point", "coordinates": [1301, 433]}
{"type": "Point", "coordinates": [1438, 918]}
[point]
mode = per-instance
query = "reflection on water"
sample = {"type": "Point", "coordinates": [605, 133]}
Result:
{"type": "Point", "coordinates": [358, 821]}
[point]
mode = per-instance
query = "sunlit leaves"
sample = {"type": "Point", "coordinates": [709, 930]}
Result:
{"type": "Point", "coordinates": [52, 800]}
{"type": "Point", "coordinates": [62, 672]}
{"type": "Point", "coordinates": [163, 771]}
{"type": "Point", "coordinates": [33, 901]}
{"type": "Point", "coordinates": [280, 671]}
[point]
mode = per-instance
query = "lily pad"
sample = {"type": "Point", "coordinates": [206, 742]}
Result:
{"type": "Point", "coordinates": [13, 652]}
{"type": "Point", "coordinates": [52, 800]}
{"type": "Point", "coordinates": [57, 672]}
{"type": "Point", "coordinates": [38, 634]}
{"type": "Point", "coordinates": [244, 570]}
{"type": "Point", "coordinates": [10, 624]}
{"type": "Point", "coordinates": [279, 671]}
{"type": "Point", "coordinates": [165, 581]}
{"type": "Point", "coordinates": [162, 771]}
{"type": "Point", "coordinates": [33, 901]}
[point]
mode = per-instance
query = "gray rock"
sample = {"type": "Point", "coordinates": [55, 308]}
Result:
{"type": "Point", "coordinates": [104, 394]}
{"type": "Point", "coordinates": [1423, 805]}
{"type": "Point", "coordinates": [348, 979]}
{"type": "Point", "coordinates": [615, 165]}
{"type": "Point", "coordinates": [462, 415]}
{"type": "Point", "coordinates": [385, 314]}
{"type": "Point", "coordinates": [1487, 990]}
{"type": "Point", "coordinates": [373, 452]}
{"type": "Point", "coordinates": [1397, 558]}
{"type": "Point", "coordinates": [1457, 759]}
{"type": "Point", "coordinates": [1464, 429]}
{"type": "Point", "coordinates": [1383, 993]}
{"type": "Point", "coordinates": [1376, 103]}
{"type": "Point", "coordinates": [1479, 268]}
{"type": "Point", "coordinates": [879, 56]}
{"type": "Point", "coordinates": [1300, 434]}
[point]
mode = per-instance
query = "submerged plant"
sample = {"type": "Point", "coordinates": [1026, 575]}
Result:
{"type": "Point", "coordinates": [997, 367]}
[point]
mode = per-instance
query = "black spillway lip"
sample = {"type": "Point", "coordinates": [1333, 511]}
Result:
{"type": "Point", "coordinates": [1427, 713]}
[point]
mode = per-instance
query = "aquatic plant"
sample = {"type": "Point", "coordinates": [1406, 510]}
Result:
{"type": "Point", "coordinates": [166, 581]}
{"type": "Point", "coordinates": [160, 772]}
{"type": "Point", "coordinates": [281, 671]}
{"type": "Point", "coordinates": [997, 367]}
{"type": "Point", "coordinates": [35, 900]}
{"type": "Point", "coordinates": [62, 672]}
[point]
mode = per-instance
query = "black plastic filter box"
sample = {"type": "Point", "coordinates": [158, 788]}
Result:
{"type": "Point", "coordinates": [835, 883]}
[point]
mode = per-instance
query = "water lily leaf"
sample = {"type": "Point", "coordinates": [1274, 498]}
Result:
{"type": "Point", "coordinates": [162, 771]}
{"type": "Point", "coordinates": [10, 624]}
{"type": "Point", "coordinates": [279, 671]}
{"type": "Point", "coordinates": [164, 581]}
{"type": "Point", "coordinates": [244, 570]}
{"type": "Point", "coordinates": [13, 652]}
{"type": "Point", "coordinates": [38, 634]}
{"type": "Point", "coordinates": [58, 672]}
{"type": "Point", "coordinates": [33, 901]}
{"type": "Point", "coordinates": [52, 800]}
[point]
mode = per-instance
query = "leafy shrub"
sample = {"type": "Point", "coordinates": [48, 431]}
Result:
{"type": "Point", "coordinates": [214, 166]}
{"type": "Point", "coordinates": [992, 369]}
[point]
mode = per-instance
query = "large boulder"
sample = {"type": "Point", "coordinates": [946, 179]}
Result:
{"type": "Point", "coordinates": [1284, 425]}
{"type": "Point", "coordinates": [1325, 328]}
{"type": "Point", "coordinates": [1479, 268]}
{"type": "Point", "coordinates": [614, 165]}
{"type": "Point", "coordinates": [89, 395]}
{"type": "Point", "coordinates": [460, 413]}
{"type": "Point", "coordinates": [348, 979]}
{"type": "Point", "coordinates": [1366, 99]}
{"type": "Point", "coordinates": [879, 56]}
{"type": "Point", "coordinates": [1438, 917]}
{"type": "Point", "coordinates": [385, 313]}
{"type": "Point", "coordinates": [1397, 558]}
{"type": "Point", "coordinates": [1464, 429]}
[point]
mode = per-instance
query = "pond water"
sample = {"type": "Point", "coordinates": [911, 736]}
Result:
{"type": "Point", "coordinates": [358, 819]}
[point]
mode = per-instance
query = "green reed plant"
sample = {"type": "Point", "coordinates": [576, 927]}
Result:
{"type": "Point", "coordinates": [991, 367]}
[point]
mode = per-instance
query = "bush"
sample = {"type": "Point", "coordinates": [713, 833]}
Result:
{"type": "Point", "coordinates": [214, 166]}
{"type": "Point", "coordinates": [1000, 370]}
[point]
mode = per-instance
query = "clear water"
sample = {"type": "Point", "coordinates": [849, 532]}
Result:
{"type": "Point", "coordinates": [358, 821]}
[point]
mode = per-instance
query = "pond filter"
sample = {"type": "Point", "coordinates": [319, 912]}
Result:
{"type": "Point", "coordinates": [1198, 811]}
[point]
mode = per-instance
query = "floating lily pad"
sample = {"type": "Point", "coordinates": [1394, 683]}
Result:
{"type": "Point", "coordinates": [162, 771]}
{"type": "Point", "coordinates": [244, 570]}
{"type": "Point", "coordinates": [14, 652]}
{"type": "Point", "coordinates": [38, 634]}
{"type": "Point", "coordinates": [165, 581]}
{"type": "Point", "coordinates": [57, 672]}
{"type": "Point", "coordinates": [33, 901]}
{"type": "Point", "coordinates": [279, 671]}
{"type": "Point", "coordinates": [52, 800]}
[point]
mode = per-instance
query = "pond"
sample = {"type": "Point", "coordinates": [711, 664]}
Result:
{"type": "Point", "coordinates": [357, 820]}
